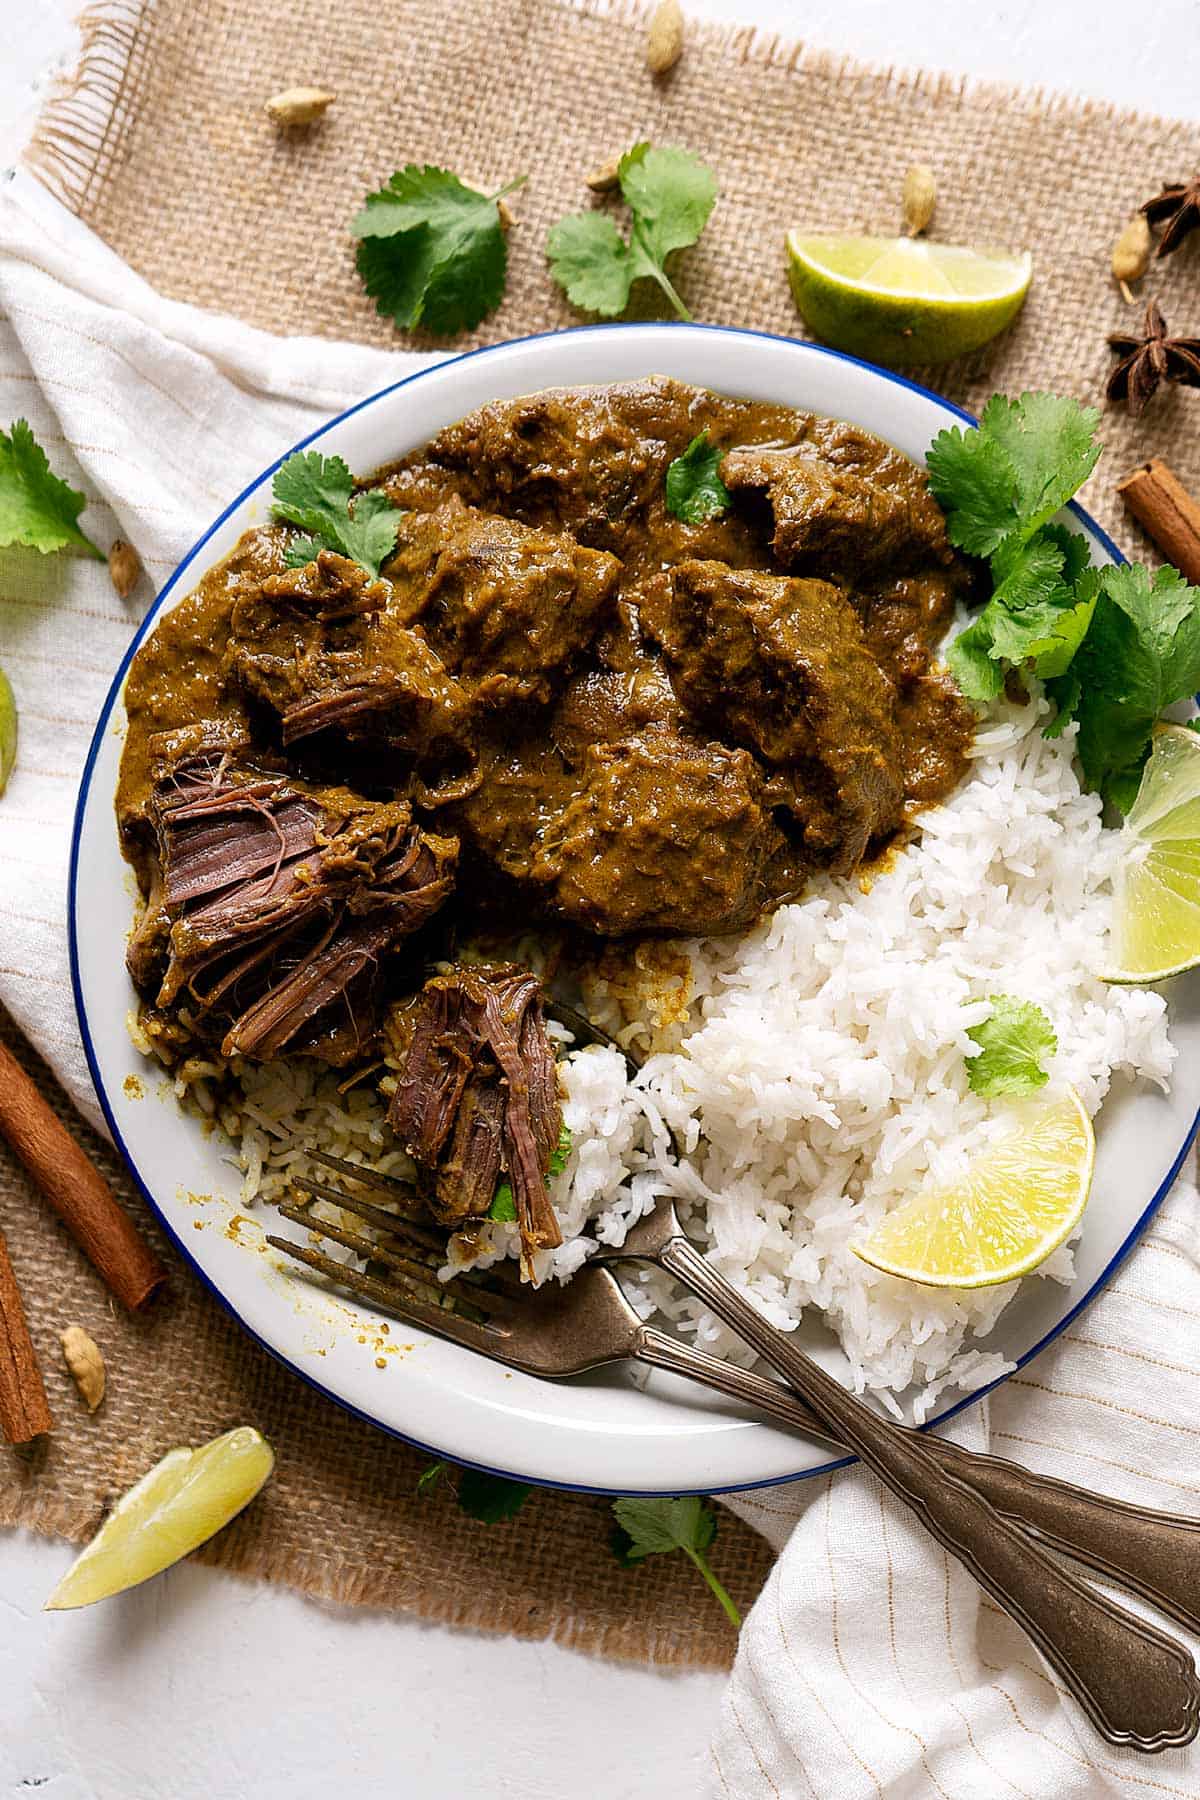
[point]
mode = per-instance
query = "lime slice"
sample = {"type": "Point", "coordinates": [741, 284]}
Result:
{"type": "Point", "coordinates": [1156, 895]}
{"type": "Point", "coordinates": [8, 730]}
{"type": "Point", "coordinates": [1018, 1201]}
{"type": "Point", "coordinates": [904, 300]}
{"type": "Point", "coordinates": [184, 1499]}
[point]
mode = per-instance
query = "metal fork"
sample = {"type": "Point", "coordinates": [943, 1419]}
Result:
{"type": "Point", "coordinates": [1137, 1684]}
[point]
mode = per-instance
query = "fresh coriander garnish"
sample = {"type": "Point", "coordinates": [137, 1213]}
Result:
{"type": "Point", "coordinates": [695, 491]}
{"type": "Point", "coordinates": [8, 730]}
{"type": "Point", "coordinates": [488, 1498]}
{"type": "Point", "coordinates": [432, 250]}
{"type": "Point", "coordinates": [37, 508]}
{"type": "Point", "coordinates": [654, 1527]}
{"type": "Point", "coordinates": [39, 511]}
{"type": "Point", "coordinates": [1015, 1041]}
{"type": "Point", "coordinates": [1114, 645]}
{"type": "Point", "coordinates": [491, 1498]}
{"type": "Point", "coordinates": [504, 1205]}
{"type": "Point", "coordinates": [315, 492]}
{"type": "Point", "coordinates": [670, 195]}
{"type": "Point", "coordinates": [430, 1477]}
{"type": "Point", "coordinates": [1141, 654]}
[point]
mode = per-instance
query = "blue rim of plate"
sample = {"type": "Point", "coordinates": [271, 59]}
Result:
{"type": "Point", "coordinates": [106, 711]}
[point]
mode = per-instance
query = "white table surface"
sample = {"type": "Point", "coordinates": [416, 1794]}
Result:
{"type": "Point", "coordinates": [201, 1685]}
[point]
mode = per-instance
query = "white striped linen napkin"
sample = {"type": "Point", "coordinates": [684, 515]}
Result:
{"type": "Point", "coordinates": [871, 1665]}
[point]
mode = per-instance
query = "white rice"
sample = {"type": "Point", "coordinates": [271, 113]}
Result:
{"type": "Point", "coordinates": [816, 1075]}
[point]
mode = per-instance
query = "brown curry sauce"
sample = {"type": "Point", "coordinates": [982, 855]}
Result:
{"type": "Point", "coordinates": [630, 724]}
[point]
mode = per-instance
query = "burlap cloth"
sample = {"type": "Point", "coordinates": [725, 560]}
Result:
{"type": "Point", "coordinates": [160, 144]}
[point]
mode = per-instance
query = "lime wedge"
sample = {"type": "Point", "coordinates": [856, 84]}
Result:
{"type": "Point", "coordinates": [8, 730]}
{"type": "Point", "coordinates": [904, 300]}
{"type": "Point", "coordinates": [184, 1499]}
{"type": "Point", "coordinates": [1018, 1201]}
{"type": "Point", "coordinates": [1156, 895]}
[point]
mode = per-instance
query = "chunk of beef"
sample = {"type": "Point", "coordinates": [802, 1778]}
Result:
{"type": "Point", "coordinates": [662, 834]}
{"type": "Point", "coordinates": [323, 645]}
{"type": "Point", "coordinates": [520, 793]}
{"type": "Point", "coordinates": [780, 664]}
{"type": "Point", "coordinates": [589, 460]}
{"type": "Point", "coordinates": [936, 729]}
{"type": "Point", "coordinates": [282, 901]}
{"type": "Point", "coordinates": [506, 607]}
{"type": "Point", "coordinates": [844, 503]}
{"type": "Point", "coordinates": [477, 1097]}
{"type": "Point", "coordinates": [604, 706]}
{"type": "Point", "coordinates": [905, 619]}
{"type": "Point", "coordinates": [282, 625]}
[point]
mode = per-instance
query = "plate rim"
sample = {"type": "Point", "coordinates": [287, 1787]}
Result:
{"type": "Point", "coordinates": [108, 706]}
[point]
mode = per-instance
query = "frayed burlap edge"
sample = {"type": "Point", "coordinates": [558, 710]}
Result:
{"type": "Point", "coordinates": [77, 141]}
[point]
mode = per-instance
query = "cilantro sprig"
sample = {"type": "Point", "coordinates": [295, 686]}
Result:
{"type": "Point", "coordinates": [1015, 1041]}
{"type": "Point", "coordinates": [654, 1527]}
{"type": "Point", "coordinates": [670, 195]}
{"type": "Point", "coordinates": [432, 250]}
{"type": "Point", "coordinates": [38, 511]}
{"type": "Point", "coordinates": [489, 1498]}
{"type": "Point", "coordinates": [37, 508]}
{"type": "Point", "coordinates": [643, 1527]}
{"type": "Point", "coordinates": [315, 492]}
{"type": "Point", "coordinates": [1140, 655]}
{"type": "Point", "coordinates": [695, 491]}
{"type": "Point", "coordinates": [1114, 645]}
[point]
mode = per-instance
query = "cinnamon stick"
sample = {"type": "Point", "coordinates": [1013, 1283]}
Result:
{"type": "Point", "coordinates": [76, 1189]}
{"type": "Point", "coordinates": [1170, 515]}
{"type": "Point", "coordinates": [24, 1412]}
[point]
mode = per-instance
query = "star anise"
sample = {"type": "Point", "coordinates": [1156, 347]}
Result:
{"type": "Point", "coordinates": [1150, 359]}
{"type": "Point", "coordinates": [1178, 209]}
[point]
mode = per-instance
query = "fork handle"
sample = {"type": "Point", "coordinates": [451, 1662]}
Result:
{"type": "Point", "coordinates": [1137, 1685]}
{"type": "Point", "coordinates": [1154, 1554]}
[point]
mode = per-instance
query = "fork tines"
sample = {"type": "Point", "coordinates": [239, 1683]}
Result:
{"type": "Point", "coordinates": [411, 1253]}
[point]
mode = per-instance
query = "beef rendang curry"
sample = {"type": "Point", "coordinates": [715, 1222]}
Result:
{"type": "Point", "coordinates": [558, 702]}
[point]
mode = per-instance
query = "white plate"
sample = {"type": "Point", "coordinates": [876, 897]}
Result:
{"type": "Point", "coordinates": [617, 1431]}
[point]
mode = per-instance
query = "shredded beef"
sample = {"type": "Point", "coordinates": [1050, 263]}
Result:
{"type": "Point", "coordinates": [477, 1098]}
{"type": "Point", "coordinates": [276, 903]}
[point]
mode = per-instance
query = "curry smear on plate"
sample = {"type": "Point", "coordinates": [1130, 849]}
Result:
{"type": "Point", "coordinates": [559, 704]}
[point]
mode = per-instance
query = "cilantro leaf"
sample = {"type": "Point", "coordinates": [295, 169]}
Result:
{"type": "Point", "coordinates": [670, 195]}
{"type": "Point", "coordinates": [1141, 654]}
{"type": "Point", "coordinates": [315, 492]}
{"type": "Point", "coordinates": [1050, 443]}
{"type": "Point", "coordinates": [1008, 478]}
{"type": "Point", "coordinates": [8, 730]}
{"type": "Point", "coordinates": [658, 1526]}
{"type": "Point", "coordinates": [1014, 1043]}
{"type": "Point", "coordinates": [432, 250]}
{"type": "Point", "coordinates": [970, 661]}
{"type": "Point", "coordinates": [37, 508]}
{"type": "Point", "coordinates": [591, 262]}
{"type": "Point", "coordinates": [430, 1477]}
{"type": "Point", "coordinates": [488, 1498]}
{"type": "Point", "coordinates": [504, 1205]}
{"type": "Point", "coordinates": [491, 1498]}
{"type": "Point", "coordinates": [1039, 612]}
{"type": "Point", "coordinates": [695, 491]}
{"type": "Point", "coordinates": [300, 551]}
{"type": "Point", "coordinates": [561, 1152]}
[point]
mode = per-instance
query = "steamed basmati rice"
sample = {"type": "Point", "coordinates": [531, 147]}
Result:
{"type": "Point", "coordinates": [816, 1075]}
